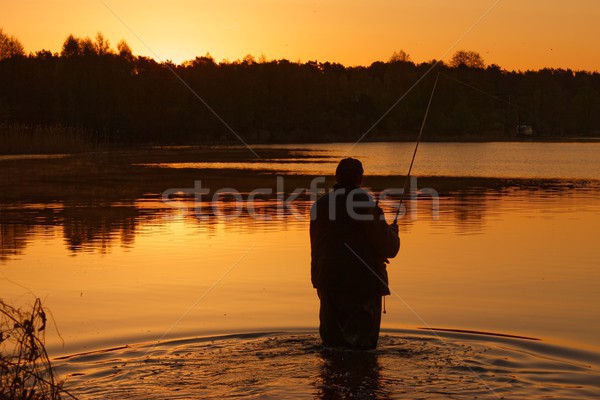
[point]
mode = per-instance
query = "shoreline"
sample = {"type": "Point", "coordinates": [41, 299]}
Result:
{"type": "Point", "coordinates": [135, 174]}
{"type": "Point", "coordinates": [124, 147]}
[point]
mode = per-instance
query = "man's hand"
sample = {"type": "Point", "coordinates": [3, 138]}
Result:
{"type": "Point", "coordinates": [377, 213]}
{"type": "Point", "coordinates": [394, 228]}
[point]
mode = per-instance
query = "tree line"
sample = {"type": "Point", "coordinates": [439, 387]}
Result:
{"type": "Point", "coordinates": [124, 98]}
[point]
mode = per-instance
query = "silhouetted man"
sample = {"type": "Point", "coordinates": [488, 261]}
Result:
{"type": "Point", "coordinates": [350, 245]}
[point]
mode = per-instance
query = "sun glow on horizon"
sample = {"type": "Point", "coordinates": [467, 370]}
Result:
{"type": "Point", "coordinates": [513, 35]}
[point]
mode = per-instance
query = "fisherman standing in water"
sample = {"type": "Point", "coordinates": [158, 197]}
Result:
{"type": "Point", "coordinates": [350, 245]}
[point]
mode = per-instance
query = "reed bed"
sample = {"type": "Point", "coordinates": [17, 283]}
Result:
{"type": "Point", "coordinates": [46, 139]}
{"type": "Point", "coordinates": [25, 369]}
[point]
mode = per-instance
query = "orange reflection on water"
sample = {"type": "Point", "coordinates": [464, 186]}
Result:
{"type": "Point", "coordinates": [513, 261]}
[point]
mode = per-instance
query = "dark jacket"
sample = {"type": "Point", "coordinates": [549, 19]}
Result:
{"type": "Point", "coordinates": [349, 252]}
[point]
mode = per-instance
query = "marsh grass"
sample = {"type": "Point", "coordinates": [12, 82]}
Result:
{"type": "Point", "coordinates": [49, 139]}
{"type": "Point", "coordinates": [25, 369]}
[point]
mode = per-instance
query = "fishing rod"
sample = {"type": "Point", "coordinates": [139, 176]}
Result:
{"type": "Point", "coordinates": [415, 152]}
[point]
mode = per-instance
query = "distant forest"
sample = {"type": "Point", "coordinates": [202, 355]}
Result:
{"type": "Point", "coordinates": [122, 98]}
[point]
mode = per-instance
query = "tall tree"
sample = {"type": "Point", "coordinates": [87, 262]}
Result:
{"type": "Point", "coordinates": [124, 50]}
{"type": "Point", "coordinates": [102, 45]}
{"type": "Point", "coordinates": [399, 56]}
{"type": "Point", "coordinates": [466, 58]}
{"type": "Point", "coordinates": [70, 47]}
{"type": "Point", "coordinates": [10, 46]}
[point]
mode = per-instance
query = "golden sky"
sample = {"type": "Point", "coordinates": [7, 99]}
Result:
{"type": "Point", "coordinates": [515, 34]}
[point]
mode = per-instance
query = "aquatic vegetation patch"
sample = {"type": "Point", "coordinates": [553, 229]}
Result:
{"type": "Point", "coordinates": [25, 369]}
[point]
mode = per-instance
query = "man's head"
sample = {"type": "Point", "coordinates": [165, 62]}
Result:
{"type": "Point", "coordinates": [349, 172]}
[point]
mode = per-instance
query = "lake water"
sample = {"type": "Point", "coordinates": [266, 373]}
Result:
{"type": "Point", "coordinates": [509, 247]}
{"type": "Point", "coordinates": [573, 161]}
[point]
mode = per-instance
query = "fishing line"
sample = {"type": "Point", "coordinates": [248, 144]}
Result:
{"type": "Point", "coordinates": [415, 152]}
{"type": "Point", "coordinates": [493, 96]}
{"type": "Point", "coordinates": [406, 180]}
{"type": "Point", "coordinates": [539, 120]}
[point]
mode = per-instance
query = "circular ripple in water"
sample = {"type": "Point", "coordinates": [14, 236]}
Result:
{"type": "Point", "coordinates": [263, 366]}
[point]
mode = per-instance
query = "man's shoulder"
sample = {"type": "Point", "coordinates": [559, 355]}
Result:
{"type": "Point", "coordinates": [361, 194]}
{"type": "Point", "coordinates": [357, 192]}
{"type": "Point", "coordinates": [322, 199]}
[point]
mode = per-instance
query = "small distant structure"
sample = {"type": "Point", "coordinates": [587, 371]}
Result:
{"type": "Point", "coordinates": [524, 130]}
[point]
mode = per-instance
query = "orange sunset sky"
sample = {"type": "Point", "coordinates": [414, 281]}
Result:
{"type": "Point", "coordinates": [515, 34]}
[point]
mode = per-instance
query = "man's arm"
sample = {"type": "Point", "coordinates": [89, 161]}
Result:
{"type": "Point", "coordinates": [314, 247]}
{"type": "Point", "coordinates": [384, 236]}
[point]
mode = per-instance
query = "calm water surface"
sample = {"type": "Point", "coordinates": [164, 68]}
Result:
{"type": "Point", "coordinates": [518, 259]}
{"type": "Point", "coordinates": [498, 160]}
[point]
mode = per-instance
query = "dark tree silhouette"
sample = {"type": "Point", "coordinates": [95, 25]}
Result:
{"type": "Point", "coordinates": [464, 58]}
{"type": "Point", "coordinates": [102, 45]}
{"type": "Point", "coordinates": [70, 47]}
{"type": "Point", "coordinates": [124, 50]}
{"type": "Point", "coordinates": [120, 98]}
{"type": "Point", "coordinates": [400, 56]}
{"type": "Point", "coordinates": [10, 46]}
